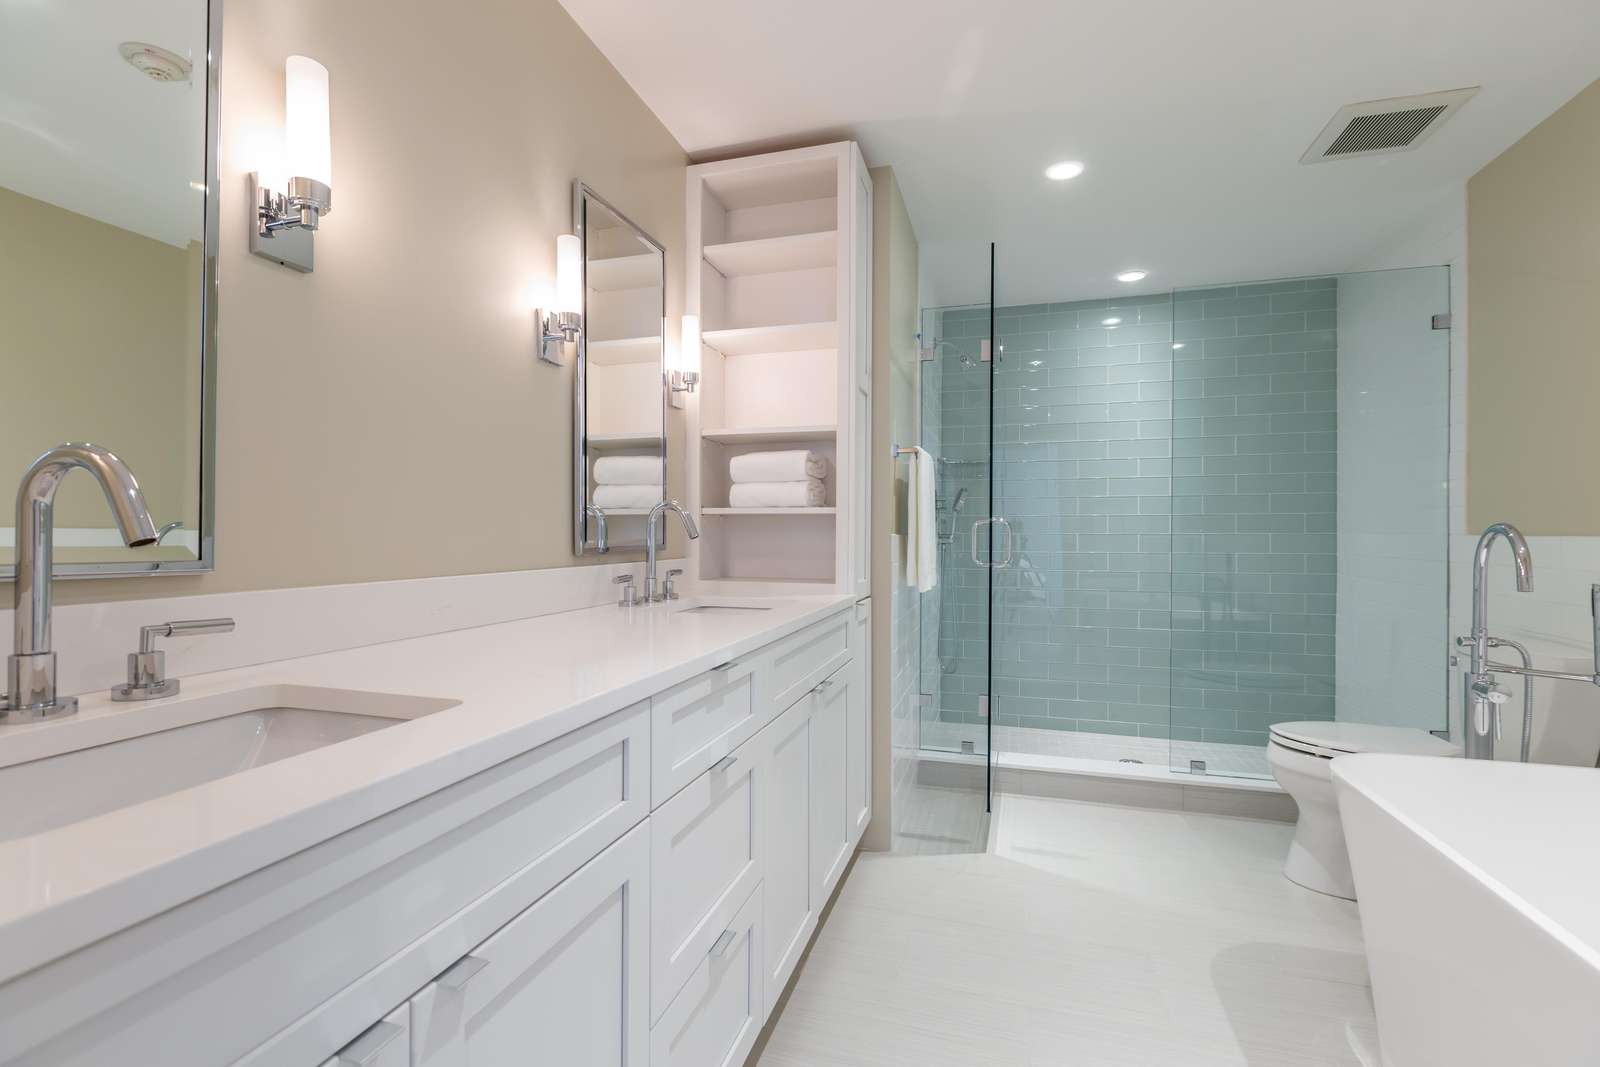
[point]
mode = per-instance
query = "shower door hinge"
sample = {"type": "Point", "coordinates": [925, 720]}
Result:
{"type": "Point", "coordinates": [1441, 322]}
{"type": "Point", "coordinates": [928, 353]}
{"type": "Point", "coordinates": [1197, 766]}
{"type": "Point", "coordinates": [983, 707]}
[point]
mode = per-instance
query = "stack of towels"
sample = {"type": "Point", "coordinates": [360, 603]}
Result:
{"type": "Point", "coordinates": [627, 482]}
{"type": "Point", "coordinates": [791, 479]}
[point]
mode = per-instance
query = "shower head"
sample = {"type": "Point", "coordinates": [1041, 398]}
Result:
{"type": "Point", "coordinates": [959, 502]}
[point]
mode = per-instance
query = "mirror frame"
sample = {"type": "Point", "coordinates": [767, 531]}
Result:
{"type": "Point", "coordinates": [582, 193]}
{"type": "Point", "coordinates": [206, 556]}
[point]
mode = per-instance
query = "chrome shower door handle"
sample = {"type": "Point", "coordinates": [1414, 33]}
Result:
{"type": "Point", "coordinates": [994, 520]}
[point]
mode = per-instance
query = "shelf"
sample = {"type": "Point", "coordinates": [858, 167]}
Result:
{"type": "Point", "coordinates": [624, 350]}
{"type": "Point", "coordinates": [768, 435]}
{"type": "Point", "coordinates": [759, 340]}
{"type": "Point", "coordinates": [642, 271]}
{"type": "Point", "coordinates": [643, 439]}
{"type": "Point", "coordinates": [769, 511]}
{"type": "Point", "coordinates": [771, 255]}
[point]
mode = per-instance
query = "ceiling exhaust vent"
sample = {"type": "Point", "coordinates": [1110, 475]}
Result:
{"type": "Point", "coordinates": [1379, 127]}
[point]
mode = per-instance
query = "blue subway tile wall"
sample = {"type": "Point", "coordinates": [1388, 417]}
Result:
{"type": "Point", "coordinates": [1167, 467]}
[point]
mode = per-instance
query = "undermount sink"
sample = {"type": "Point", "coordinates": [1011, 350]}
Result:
{"type": "Point", "coordinates": [90, 766]}
{"type": "Point", "coordinates": [712, 609]}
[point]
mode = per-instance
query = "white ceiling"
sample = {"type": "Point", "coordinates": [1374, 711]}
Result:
{"type": "Point", "coordinates": [1191, 117]}
{"type": "Point", "coordinates": [81, 129]}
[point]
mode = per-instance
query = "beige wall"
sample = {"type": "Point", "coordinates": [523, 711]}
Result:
{"type": "Point", "coordinates": [384, 417]}
{"type": "Point", "coordinates": [96, 346]}
{"type": "Point", "coordinates": [894, 415]}
{"type": "Point", "coordinates": [1533, 235]}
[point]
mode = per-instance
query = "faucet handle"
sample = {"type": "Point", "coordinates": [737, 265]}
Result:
{"type": "Point", "coordinates": [669, 590]}
{"type": "Point", "coordinates": [147, 668]}
{"type": "Point", "coordinates": [630, 595]}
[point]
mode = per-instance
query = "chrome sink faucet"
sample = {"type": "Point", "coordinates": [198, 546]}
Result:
{"type": "Point", "coordinates": [31, 669]}
{"type": "Point", "coordinates": [650, 594]}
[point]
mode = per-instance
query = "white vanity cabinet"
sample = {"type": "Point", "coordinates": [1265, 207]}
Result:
{"type": "Point", "coordinates": [635, 892]}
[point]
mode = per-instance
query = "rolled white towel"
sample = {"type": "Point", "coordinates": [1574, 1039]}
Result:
{"type": "Point", "coordinates": [628, 470]}
{"type": "Point", "coordinates": [807, 494]}
{"type": "Point", "coordinates": [791, 466]}
{"type": "Point", "coordinates": [627, 496]}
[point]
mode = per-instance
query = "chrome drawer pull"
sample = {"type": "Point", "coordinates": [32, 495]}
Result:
{"type": "Point", "coordinates": [728, 666]}
{"type": "Point", "coordinates": [724, 763]}
{"type": "Point", "coordinates": [364, 1050]}
{"type": "Point", "coordinates": [721, 947]}
{"type": "Point", "coordinates": [461, 972]}
{"type": "Point", "coordinates": [824, 685]}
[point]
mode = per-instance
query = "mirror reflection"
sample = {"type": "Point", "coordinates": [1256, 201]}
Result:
{"type": "Point", "coordinates": [103, 267]}
{"type": "Point", "coordinates": [620, 417]}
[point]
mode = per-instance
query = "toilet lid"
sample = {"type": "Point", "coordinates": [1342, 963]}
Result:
{"type": "Point", "coordinates": [1362, 737]}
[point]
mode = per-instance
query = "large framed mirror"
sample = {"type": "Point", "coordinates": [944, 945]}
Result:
{"type": "Point", "coordinates": [108, 204]}
{"type": "Point", "coordinates": [619, 416]}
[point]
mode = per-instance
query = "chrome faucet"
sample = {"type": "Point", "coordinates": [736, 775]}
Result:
{"type": "Point", "coordinates": [1482, 697]}
{"type": "Point", "coordinates": [650, 594]}
{"type": "Point", "coordinates": [31, 670]}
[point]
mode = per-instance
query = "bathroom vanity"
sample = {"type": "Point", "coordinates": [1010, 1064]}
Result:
{"type": "Point", "coordinates": [596, 837]}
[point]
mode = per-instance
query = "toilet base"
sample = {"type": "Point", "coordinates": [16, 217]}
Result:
{"type": "Point", "coordinates": [1310, 868]}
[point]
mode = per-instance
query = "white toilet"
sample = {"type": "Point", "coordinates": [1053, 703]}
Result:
{"type": "Point", "coordinates": [1300, 754]}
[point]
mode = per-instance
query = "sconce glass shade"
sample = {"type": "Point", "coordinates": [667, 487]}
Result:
{"type": "Point", "coordinates": [308, 150]}
{"type": "Point", "coordinates": [569, 274]}
{"type": "Point", "coordinates": [689, 345]}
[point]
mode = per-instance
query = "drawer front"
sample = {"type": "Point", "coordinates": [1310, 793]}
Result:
{"type": "Point", "coordinates": [384, 1044]}
{"type": "Point", "coordinates": [562, 983]}
{"type": "Point", "coordinates": [800, 661]}
{"type": "Point", "coordinates": [697, 723]}
{"type": "Point", "coordinates": [705, 863]}
{"type": "Point", "coordinates": [718, 1014]}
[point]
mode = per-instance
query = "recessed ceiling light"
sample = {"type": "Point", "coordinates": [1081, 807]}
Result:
{"type": "Point", "coordinates": [1133, 276]}
{"type": "Point", "coordinates": [1066, 169]}
{"type": "Point", "coordinates": [1111, 322]}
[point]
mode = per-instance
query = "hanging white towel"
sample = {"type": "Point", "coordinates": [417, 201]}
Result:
{"type": "Point", "coordinates": [807, 494]}
{"type": "Point", "coordinates": [627, 496]}
{"type": "Point", "coordinates": [922, 548]}
{"type": "Point", "coordinates": [792, 466]}
{"type": "Point", "coordinates": [628, 470]}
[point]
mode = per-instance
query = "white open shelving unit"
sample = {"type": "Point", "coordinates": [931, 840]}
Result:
{"type": "Point", "coordinates": [780, 280]}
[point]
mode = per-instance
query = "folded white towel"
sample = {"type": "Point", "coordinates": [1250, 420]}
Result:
{"type": "Point", "coordinates": [791, 466]}
{"type": "Point", "coordinates": [807, 494]}
{"type": "Point", "coordinates": [627, 496]}
{"type": "Point", "coordinates": [628, 470]}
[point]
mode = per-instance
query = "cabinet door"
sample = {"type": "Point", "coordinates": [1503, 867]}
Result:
{"type": "Point", "coordinates": [789, 912]}
{"type": "Point", "coordinates": [717, 1016]}
{"type": "Point", "coordinates": [830, 820]}
{"type": "Point", "coordinates": [565, 982]}
{"type": "Point", "coordinates": [858, 744]}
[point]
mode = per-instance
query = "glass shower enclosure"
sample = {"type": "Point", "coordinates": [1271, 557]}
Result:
{"type": "Point", "coordinates": [1167, 521]}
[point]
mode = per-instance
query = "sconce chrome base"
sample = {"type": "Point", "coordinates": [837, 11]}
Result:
{"type": "Point", "coordinates": [681, 381]}
{"type": "Point", "coordinates": [284, 222]}
{"type": "Point", "coordinates": [556, 328]}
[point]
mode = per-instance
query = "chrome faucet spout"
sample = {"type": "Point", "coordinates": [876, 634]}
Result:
{"type": "Point", "coordinates": [1480, 704]}
{"type": "Point", "coordinates": [31, 670]}
{"type": "Point", "coordinates": [650, 594]}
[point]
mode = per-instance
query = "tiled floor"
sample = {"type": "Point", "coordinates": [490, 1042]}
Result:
{"type": "Point", "coordinates": [1226, 759]}
{"type": "Point", "coordinates": [1089, 935]}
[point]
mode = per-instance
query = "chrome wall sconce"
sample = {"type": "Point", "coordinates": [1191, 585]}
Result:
{"type": "Point", "coordinates": [285, 219]}
{"type": "Point", "coordinates": [563, 323]}
{"type": "Point", "coordinates": [683, 378]}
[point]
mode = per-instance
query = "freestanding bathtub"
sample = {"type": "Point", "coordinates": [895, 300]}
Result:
{"type": "Point", "coordinates": [1480, 906]}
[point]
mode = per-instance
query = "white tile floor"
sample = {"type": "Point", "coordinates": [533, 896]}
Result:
{"type": "Point", "coordinates": [1088, 935]}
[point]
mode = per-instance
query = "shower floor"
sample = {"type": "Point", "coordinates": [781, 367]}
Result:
{"type": "Point", "coordinates": [1045, 747]}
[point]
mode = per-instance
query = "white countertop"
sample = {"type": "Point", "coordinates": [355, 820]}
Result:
{"type": "Point", "coordinates": [520, 685]}
{"type": "Point", "coordinates": [1529, 832]}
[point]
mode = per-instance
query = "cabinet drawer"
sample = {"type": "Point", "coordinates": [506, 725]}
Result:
{"type": "Point", "coordinates": [384, 1044]}
{"type": "Point", "coordinates": [800, 661]}
{"type": "Point", "coordinates": [704, 862]}
{"type": "Point", "coordinates": [697, 723]}
{"type": "Point", "coordinates": [562, 983]}
{"type": "Point", "coordinates": [717, 1016]}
